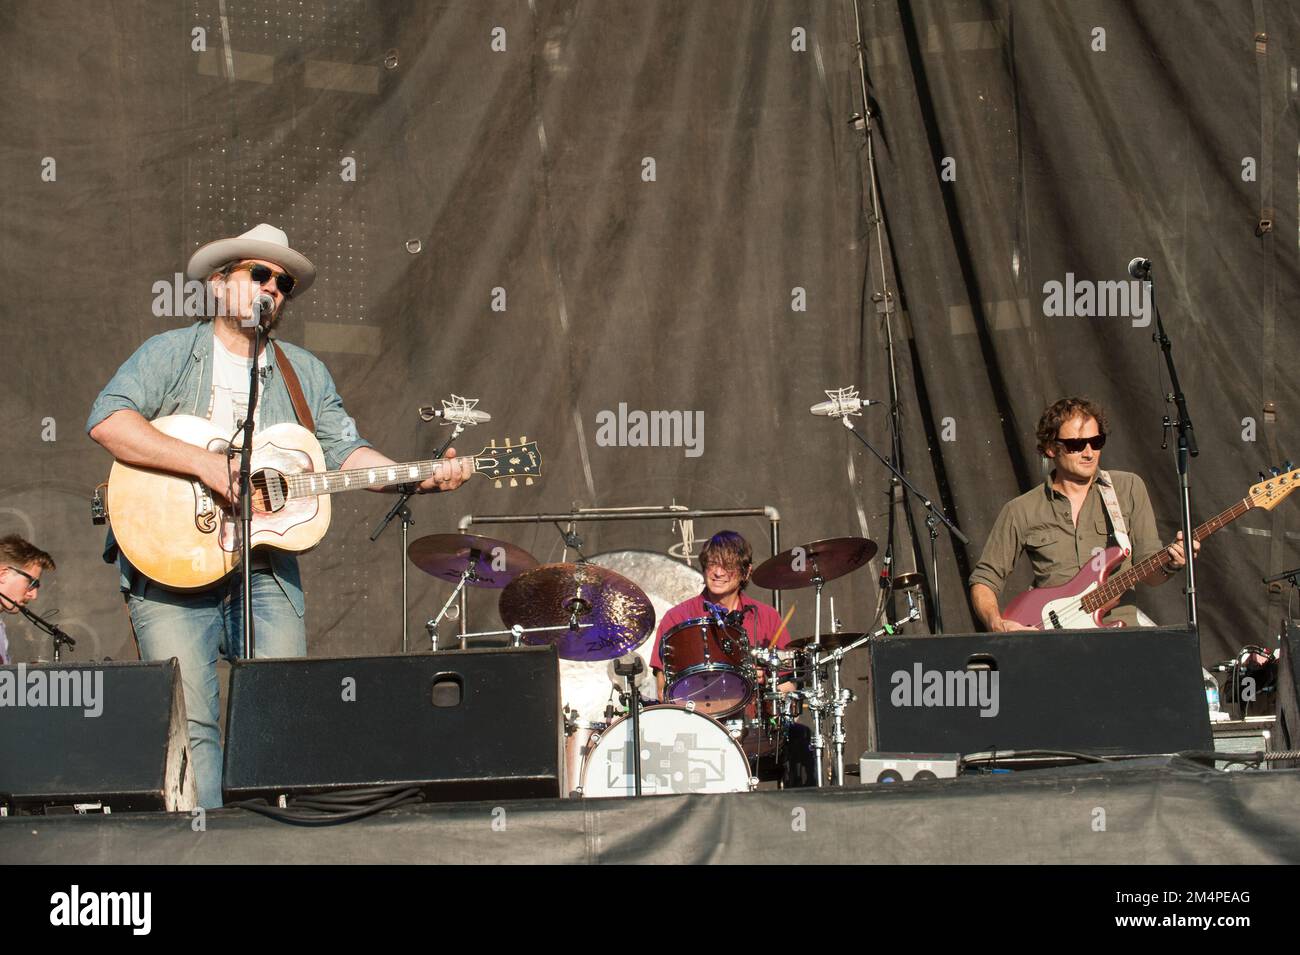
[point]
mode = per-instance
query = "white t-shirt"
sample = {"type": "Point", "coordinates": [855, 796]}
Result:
{"type": "Point", "coordinates": [230, 388]}
{"type": "Point", "coordinates": [230, 403]}
{"type": "Point", "coordinates": [4, 644]}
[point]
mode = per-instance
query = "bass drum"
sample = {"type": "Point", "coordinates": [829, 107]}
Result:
{"type": "Point", "coordinates": [587, 688]}
{"type": "Point", "coordinates": [681, 752]}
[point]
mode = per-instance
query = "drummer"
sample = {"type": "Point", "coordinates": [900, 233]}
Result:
{"type": "Point", "coordinates": [726, 561]}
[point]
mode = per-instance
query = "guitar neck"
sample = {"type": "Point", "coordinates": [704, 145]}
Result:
{"type": "Point", "coordinates": [1144, 570]}
{"type": "Point", "coordinates": [309, 484]}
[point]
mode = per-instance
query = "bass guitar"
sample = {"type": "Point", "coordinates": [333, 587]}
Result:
{"type": "Point", "coordinates": [1081, 603]}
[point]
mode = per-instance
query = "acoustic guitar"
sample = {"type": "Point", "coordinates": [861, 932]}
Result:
{"type": "Point", "coordinates": [173, 529]}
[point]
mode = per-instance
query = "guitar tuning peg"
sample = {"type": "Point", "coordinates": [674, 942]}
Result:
{"type": "Point", "coordinates": [496, 483]}
{"type": "Point", "coordinates": [493, 444]}
{"type": "Point", "coordinates": [507, 443]}
{"type": "Point", "coordinates": [1287, 466]}
{"type": "Point", "coordinates": [1274, 471]}
{"type": "Point", "coordinates": [528, 482]}
{"type": "Point", "coordinates": [514, 482]}
{"type": "Point", "coordinates": [523, 439]}
{"type": "Point", "coordinates": [1263, 476]}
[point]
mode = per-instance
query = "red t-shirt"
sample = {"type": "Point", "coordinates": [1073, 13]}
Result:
{"type": "Point", "coordinates": [760, 623]}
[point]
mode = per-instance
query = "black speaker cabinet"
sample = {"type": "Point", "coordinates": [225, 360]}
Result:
{"type": "Point", "coordinates": [1103, 692]}
{"type": "Point", "coordinates": [1286, 731]}
{"type": "Point", "coordinates": [461, 724]}
{"type": "Point", "coordinates": [78, 735]}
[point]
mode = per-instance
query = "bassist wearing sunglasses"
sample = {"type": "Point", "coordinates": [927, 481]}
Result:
{"type": "Point", "coordinates": [201, 373]}
{"type": "Point", "coordinates": [1068, 522]}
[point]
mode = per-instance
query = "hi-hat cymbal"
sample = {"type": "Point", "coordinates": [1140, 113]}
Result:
{"type": "Point", "coordinates": [554, 595]}
{"type": "Point", "coordinates": [827, 559]}
{"type": "Point", "coordinates": [830, 641]}
{"type": "Point", "coordinates": [446, 556]}
{"type": "Point", "coordinates": [906, 581]}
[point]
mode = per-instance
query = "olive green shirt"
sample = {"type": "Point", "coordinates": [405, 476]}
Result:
{"type": "Point", "coordinates": [1038, 523]}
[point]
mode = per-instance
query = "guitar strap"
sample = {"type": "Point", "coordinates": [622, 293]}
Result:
{"type": "Point", "coordinates": [1108, 497]}
{"type": "Point", "coordinates": [295, 389]}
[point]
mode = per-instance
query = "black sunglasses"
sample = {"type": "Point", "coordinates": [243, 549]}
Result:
{"type": "Point", "coordinates": [260, 273]}
{"type": "Point", "coordinates": [1075, 445]}
{"type": "Point", "coordinates": [33, 583]}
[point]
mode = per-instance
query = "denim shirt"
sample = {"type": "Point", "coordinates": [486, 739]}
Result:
{"type": "Point", "coordinates": [171, 373]}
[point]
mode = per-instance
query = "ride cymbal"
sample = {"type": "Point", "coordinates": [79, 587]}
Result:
{"type": "Point", "coordinates": [446, 556]}
{"type": "Point", "coordinates": [825, 559]}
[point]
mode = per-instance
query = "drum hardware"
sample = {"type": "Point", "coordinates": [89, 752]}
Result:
{"type": "Point", "coordinates": [401, 508]}
{"type": "Point", "coordinates": [515, 633]}
{"type": "Point", "coordinates": [840, 696]}
{"type": "Point", "coordinates": [468, 559]}
{"type": "Point", "coordinates": [628, 667]}
{"type": "Point", "coordinates": [814, 565]}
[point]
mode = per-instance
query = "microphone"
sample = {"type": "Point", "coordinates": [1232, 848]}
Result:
{"type": "Point", "coordinates": [263, 307]}
{"type": "Point", "coordinates": [1140, 268]}
{"type": "Point", "coordinates": [458, 410]}
{"type": "Point", "coordinates": [843, 402]}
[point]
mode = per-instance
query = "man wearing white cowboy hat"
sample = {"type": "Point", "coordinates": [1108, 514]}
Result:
{"type": "Point", "coordinates": [204, 370]}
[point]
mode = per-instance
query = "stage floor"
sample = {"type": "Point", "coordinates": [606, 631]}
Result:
{"type": "Point", "coordinates": [1170, 812]}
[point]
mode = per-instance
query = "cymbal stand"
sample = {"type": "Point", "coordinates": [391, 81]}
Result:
{"type": "Point", "coordinates": [402, 509]}
{"type": "Point", "coordinates": [628, 667]}
{"type": "Point", "coordinates": [468, 574]}
{"type": "Point", "coordinates": [816, 703]}
{"type": "Point", "coordinates": [516, 633]}
{"type": "Point", "coordinates": [840, 697]}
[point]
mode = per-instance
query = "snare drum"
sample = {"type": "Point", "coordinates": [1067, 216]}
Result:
{"type": "Point", "coordinates": [681, 752]}
{"type": "Point", "coordinates": [707, 663]}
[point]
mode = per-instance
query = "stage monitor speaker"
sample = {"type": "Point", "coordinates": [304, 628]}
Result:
{"type": "Point", "coordinates": [904, 767]}
{"type": "Point", "coordinates": [1286, 731]}
{"type": "Point", "coordinates": [460, 724]}
{"type": "Point", "coordinates": [1102, 692]}
{"type": "Point", "coordinates": [94, 737]}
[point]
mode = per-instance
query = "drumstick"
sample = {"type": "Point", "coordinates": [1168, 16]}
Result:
{"type": "Point", "coordinates": [777, 636]}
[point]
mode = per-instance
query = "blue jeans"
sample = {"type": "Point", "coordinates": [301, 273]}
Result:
{"type": "Point", "coordinates": [196, 628]}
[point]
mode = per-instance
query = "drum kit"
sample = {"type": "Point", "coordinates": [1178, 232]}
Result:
{"type": "Point", "coordinates": [729, 706]}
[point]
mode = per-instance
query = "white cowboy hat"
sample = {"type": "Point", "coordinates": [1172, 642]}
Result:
{"type": "Point", "coordinates": [263, 241]}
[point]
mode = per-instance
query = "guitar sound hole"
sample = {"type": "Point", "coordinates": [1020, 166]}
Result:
{"type": "Point", "coordinates": [270, 490]}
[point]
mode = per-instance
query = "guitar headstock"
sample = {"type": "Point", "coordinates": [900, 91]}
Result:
{"type": "Point", "coordinates": [510, 461]}
{"type": "Point", "coordinates": [1271, 491]}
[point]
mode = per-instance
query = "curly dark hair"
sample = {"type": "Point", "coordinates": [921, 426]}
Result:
{"type": "Point", "coordinates": [1066, 409]}
{"type": "Point", "coordinates": [732, 551]}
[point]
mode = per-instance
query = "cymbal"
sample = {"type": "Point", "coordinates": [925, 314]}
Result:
{"type": "Point", "coordinates": [557, 594]}
{"type": "Point", "coordinates": [906, 581]}
{"type": "Point", "coordinates": [828, 559]}
{"type": "Point", "coordinates": [495, 562]}
{"type": "Point", "coordinates": [830, 641]}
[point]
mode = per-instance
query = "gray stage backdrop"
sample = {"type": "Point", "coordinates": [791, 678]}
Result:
{"type": "Point", "coordinates": [563, 208]}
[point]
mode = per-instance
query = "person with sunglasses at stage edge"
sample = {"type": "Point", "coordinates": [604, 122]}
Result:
{"type": "Point", "coordinates": [204, 370]}
{"type": "Point", "coordinates": [21, 565]}
{"type": "Point", "coordinates": [1061, 523]}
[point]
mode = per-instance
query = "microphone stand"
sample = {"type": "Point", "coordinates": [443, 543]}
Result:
{"type": "Point", "coordinates": [1186, 449]}
{"type": "Point", "coordinates": [402, 509]}
{"type": "Point", "coordinates": [60, 639]}
{"type": "Point", "coordinates": [932, 521]}
{"type": "Point", "coordinates": [246, 490]}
